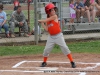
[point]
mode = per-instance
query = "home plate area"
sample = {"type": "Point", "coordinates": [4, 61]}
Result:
{"type": "Point", "coordinates": [56, 68]}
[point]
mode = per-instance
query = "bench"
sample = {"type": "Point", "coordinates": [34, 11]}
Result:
{"type": "Point", "coordinates": [75, 27]}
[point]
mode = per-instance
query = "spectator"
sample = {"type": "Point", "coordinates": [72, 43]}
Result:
{"type": "Point", "coordinates": [72, 12]}
{"type": "Point", "coordinates": [89, 7]}
{"type": "Point", "coordinates": [79, 9]}
{"type": "Point", "coordinates": [97, 4]}
{"type": "Point", "coordinates": [16, 3]}
{"type": "Point", "coordinates": [3, 19]}
{"type": "Point", "coordinates": [18, 19]}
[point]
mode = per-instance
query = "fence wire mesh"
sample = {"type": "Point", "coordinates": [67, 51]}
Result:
{"type": "Point", "coordinates": [86, 22]}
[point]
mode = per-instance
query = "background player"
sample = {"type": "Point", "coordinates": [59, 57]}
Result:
{"type": "Point", "coordinates": [55, 37]}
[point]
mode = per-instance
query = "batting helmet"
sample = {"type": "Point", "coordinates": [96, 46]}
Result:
{"type": "Point", "coordinates": [48, 7]}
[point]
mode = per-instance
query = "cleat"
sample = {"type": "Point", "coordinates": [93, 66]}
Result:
{"type": "Point", "coordinates": [43, 64]}
{"type": "Point", "coordinates": [73, 64]}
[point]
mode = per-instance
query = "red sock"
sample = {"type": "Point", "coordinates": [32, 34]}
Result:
{"type": "Point", "coordinates": [70, 57]}
{"type": "Point", "coordinates": [45, 59]}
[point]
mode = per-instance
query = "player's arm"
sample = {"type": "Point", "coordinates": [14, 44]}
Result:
{"type": "Point", "coordinates": [48, 19]}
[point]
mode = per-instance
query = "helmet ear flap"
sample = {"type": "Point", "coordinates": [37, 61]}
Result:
{"type": "Point", "coordinates": [47, 10]}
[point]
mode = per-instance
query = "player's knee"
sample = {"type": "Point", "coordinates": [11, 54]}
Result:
{"type": "Point", "coordinates": [65, 50]}
{"type": "Point", "coordinates": [46, 52]}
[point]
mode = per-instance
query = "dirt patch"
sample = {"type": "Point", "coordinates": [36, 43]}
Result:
{"type": "Point", "coordinates": [6, 63]}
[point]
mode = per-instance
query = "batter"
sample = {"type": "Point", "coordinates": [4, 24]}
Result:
{"type": "Point", "coordinates": [55, 37]}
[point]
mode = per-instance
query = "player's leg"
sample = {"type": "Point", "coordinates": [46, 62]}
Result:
{"type": "Point", "coordinates": [49, 45]}
{"type": "Point", "coordinates": [61, 42]}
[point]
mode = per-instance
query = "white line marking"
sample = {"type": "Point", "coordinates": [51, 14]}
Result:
{"type": "Point", "coordinates": [87, 68]}
{"type": "Point", "coordinates": [47, 69]}
{"type": "Point", "coordinates": [42, 69]}
{"type": "Point", "coordinates": [82, 73]}
{"type": "Point", "coordinates": [18, 64]}
{"type": "Point", "coordinates": [21, 71]}
{"type": "Point", "coordinates": [61, 62]}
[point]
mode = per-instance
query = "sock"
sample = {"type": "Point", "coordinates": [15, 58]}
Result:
{"type": "Point", "coordinates": [70, 57]}
{"type": "Point", "coordinates": [45, 59]}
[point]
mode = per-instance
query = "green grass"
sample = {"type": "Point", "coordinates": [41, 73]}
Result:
{"type": "Point", "coordinates": [78, 47]}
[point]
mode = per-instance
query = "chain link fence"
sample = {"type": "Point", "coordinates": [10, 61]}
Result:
{"type": "Point", "coordinates": [87, 19]}
{"type": "Point", "coordinates": [86, 22]}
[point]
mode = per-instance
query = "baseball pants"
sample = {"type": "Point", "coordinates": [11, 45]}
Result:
{"type": "Point", "coordinates": [56, 39]}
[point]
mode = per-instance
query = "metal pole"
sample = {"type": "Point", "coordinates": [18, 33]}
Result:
{"type": "Point", "coordinates": [60, 2]}
{"type": "Point", "coordinates": [28, 12]}
{"type": "Point", "coordinates": [36, 22]}
{"type": "Point", "coordinates": [28, 15]}
{"type": "Point", "coordinates": [39, 16]}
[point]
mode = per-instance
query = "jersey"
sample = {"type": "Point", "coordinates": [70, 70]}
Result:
{"type": "Point", "coordinates": [53, 27]}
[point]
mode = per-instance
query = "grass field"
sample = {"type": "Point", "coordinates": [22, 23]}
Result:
{"type": "Point", "coordinates": [77, 47]}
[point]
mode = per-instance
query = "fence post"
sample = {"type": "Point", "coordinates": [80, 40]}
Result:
{"type": "Point", "coordinates": [36, 22]}
{"type": "Point", "coordinates": [60, 13]}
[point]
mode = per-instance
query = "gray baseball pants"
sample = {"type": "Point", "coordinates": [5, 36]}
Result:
{"type": "Point", "coordinates": [56, 39]}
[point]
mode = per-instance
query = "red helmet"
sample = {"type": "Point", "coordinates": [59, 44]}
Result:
{"type": "Point", "coordinates": [48, 7]}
